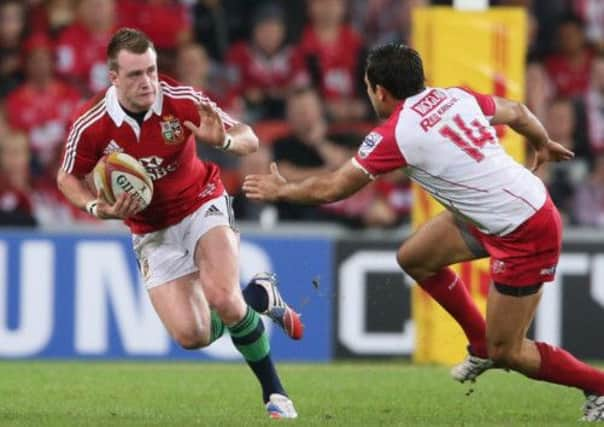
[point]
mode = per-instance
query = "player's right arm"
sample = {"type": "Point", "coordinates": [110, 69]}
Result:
{"type": "Point", "coordinates": [378, 154]}
{"type": "Point", "coordinates": [517, 116]}
{"type": "Point", "coordinates": [77, 192]}
{"type": "Point", "coordinates": [314, 190]}
{"type": "Point", "coordinates": [81, 155]}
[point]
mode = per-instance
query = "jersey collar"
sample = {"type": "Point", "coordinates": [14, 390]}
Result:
{"type": "Point", "coordinates": [118, 115]}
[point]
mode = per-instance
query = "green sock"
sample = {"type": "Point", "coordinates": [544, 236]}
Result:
{"type": "Point", "coordinates": [250, 339]}
{"type": "Point", "coordinates": [217, 326]}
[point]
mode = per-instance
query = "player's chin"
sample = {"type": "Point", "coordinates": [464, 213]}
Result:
{"type": "Point", "coordinates": [146, 101]}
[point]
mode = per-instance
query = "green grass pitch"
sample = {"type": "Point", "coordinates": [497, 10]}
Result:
{"type": "Point", "coordinates": [62, 394]}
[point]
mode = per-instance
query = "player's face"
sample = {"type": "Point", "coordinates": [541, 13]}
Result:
{"type": "Point", "coordinates": [375, 98]}
{"type": "Point", "coordinates": [136, 79]}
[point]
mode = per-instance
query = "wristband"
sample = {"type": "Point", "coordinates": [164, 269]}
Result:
{"type": "Point", "coordinates": [228, 140]}
{"type": "Point", "coordinates": [91, 208]}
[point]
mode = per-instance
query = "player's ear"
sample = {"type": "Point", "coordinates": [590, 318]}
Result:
{"type": "Point", "coordinates": [113, 77]}
{"type": "Point", "coordinates": [381, 93]}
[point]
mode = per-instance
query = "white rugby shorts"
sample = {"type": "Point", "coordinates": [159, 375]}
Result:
{"type": "Point", "coordinates": [167, 254]}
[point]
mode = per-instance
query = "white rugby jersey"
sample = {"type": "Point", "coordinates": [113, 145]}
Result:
{"type": "Point", "coordinates": [444, 141]}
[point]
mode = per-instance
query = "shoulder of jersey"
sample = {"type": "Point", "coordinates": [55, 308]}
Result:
{"type": "Point", "coordinates": [95, 103]}
{"type": "Point", "coordinates": [176, 91]}
{"type": "Point", "coordinates": [88, 119]}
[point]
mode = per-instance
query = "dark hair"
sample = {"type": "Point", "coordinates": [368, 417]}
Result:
{"type": "Point", "coordinates": [397, 68]}
{"type": "Point", "coordinates": [129, 39]}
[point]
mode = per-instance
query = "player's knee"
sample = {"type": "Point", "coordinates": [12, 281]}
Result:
{"type": "Point", "coordinates": [193, 340]}
{"type": "Point", "coordinates": [405, 261]}
{"type": "Point", "coordinates": [410, 264]}
{"type": "Point", "coordinates": [229, 306]}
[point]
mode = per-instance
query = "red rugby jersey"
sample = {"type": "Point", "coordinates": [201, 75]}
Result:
{"type": "Point", "coordinates": [182, 182]}
{"type": "Point", "coordinates": [338, 61]}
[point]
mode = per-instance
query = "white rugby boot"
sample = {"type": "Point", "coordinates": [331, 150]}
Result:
{"type": "Point", "coordinates": [280, 406]}
{"type": "Point", "coordinates": [593, 409]}
{"type": "Point", "coordinates": [470, 368]}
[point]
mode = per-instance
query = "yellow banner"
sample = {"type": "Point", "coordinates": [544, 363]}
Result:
{"type": "Point", "coordinates": [484, 51]}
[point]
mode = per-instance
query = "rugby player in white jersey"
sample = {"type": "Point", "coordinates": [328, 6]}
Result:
{"type": "Point", "coordinates": [444, 139]}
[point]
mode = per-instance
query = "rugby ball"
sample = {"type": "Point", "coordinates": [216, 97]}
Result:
{"type": "Point", "coordinates": [118, 173]}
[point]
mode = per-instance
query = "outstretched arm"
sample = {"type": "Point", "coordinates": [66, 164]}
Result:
{"type": "Point", "coordinates": [239, 139]}
{"type": "Point", "coordinates": [315, 190]}
{"type": "Point", "coordinates": [517, 116]}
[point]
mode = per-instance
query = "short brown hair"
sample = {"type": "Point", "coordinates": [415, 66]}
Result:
{"type": "Point", "coordinates": [129, 39]}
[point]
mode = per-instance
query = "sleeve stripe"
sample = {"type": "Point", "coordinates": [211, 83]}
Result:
{"type": "Point", "coordinates": [84, 117]}
{"type": "Point", "coordinates": [74, 136]}
{"type": "Point", "coordinates": [188, 92]}
{"type": "Point", "coordinates": [88, 113]}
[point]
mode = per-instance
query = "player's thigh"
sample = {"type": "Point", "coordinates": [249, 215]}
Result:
{"type": "Point", "coordinates": [436, 244]}
{"type": "Point", "coordinates": [217, 257]}
{"type": "Point", "coordinates": [182, 308]}
{"type": "Point", "coordinates": [508, 319]}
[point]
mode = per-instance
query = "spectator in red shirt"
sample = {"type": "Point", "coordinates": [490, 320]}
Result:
{"type": "Point", "coordinates": [81, 47]}
{"type": "Point", "coordinates": [569, 68]}
{"type": "Point", "coordinates": [12, 27]}
{"type": "Point", "coordinates": [332, 52]}
{"type": "Point", "coordinates": [265, 68]}
{"type": "Point", "coordinates": [42, 106]}
{"type": "Point", "coordinates": [51, 16]}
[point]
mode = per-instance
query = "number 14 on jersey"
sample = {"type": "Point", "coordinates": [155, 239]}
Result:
{"type": "Point", "coordinates": [469, 138]}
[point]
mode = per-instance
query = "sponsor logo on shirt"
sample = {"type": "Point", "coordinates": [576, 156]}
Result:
{"type": "Point", "coordinates": [154, 165]}
{"type": "Point", "coordinates": [429, 102]}
{"type": "Point", "coordinates": [369, 143]}
{"type": "Point", "coordinates": [172, 130]}
{"type": "Point", "coordinates": [209, 189]}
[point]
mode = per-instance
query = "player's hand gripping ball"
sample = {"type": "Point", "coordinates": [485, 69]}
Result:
{"type": "Point", "coordinates": [118, 173]}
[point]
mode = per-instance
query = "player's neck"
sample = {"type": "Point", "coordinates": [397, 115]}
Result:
{"type": "Point", "coordinates": [391, 105]}
{"type": "Point", "coordinates": [139, 116]}
{"type": "Point", "coordinates": [129, 106]}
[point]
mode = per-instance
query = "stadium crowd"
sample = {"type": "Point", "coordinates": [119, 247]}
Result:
{"type": "Point", "coordinates": [291, 68]}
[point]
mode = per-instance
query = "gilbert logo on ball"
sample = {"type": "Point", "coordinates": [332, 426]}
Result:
{"type": "Point", "coordinates": [118, 173]}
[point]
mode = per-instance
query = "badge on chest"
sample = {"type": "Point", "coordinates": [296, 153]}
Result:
{"type": "Point", "coordinates": [171, 130]}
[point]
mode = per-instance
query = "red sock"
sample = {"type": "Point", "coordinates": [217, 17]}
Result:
{"type": "Point", "coordinates": [451, 293]}
{"type": "Point", "coordinates": [560, 367]}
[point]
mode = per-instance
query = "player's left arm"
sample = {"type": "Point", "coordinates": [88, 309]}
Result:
{"type": "Point", "coordinates": [518, 116]}
{"type": "Point", "coordinates": [218, 130]}
{"type": "Point", "coordinates": [315, 190]}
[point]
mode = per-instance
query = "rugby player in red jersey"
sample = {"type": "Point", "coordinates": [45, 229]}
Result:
{"type": "Point", "coordinates": [184, 240]}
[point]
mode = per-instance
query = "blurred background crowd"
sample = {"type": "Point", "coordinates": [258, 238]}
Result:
{"type": "Point", "coordinates": [293, 69]}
